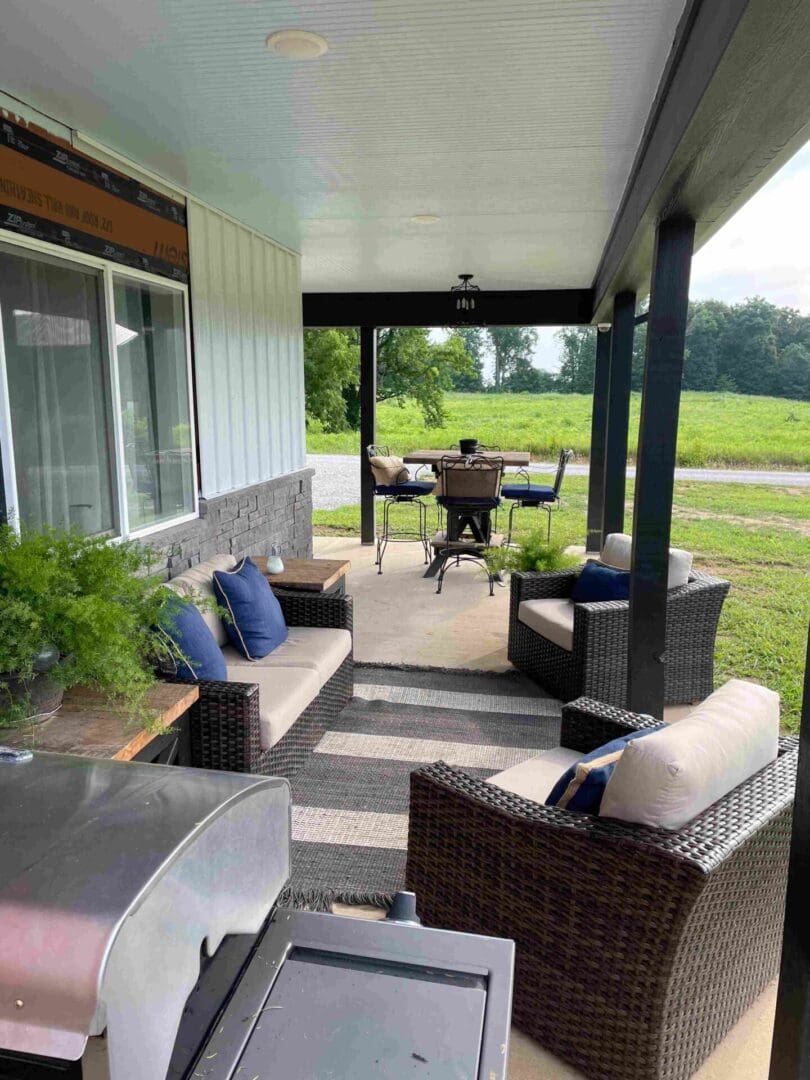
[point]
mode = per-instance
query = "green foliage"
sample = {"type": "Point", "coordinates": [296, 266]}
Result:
{"type": "Point", "coordinates": [331, 367]}
{"type": "Point", "coordinates": [89, 599]}
{"type": "Point", "coordinates": [473, 338]}
{"type": "Point", "coordinates": [531, 551]}
{"type": "Point", "coordinates": [512, 347]}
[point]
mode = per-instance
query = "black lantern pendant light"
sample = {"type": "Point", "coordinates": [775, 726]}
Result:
{"type": "Point", "coordinates": [465, 293]}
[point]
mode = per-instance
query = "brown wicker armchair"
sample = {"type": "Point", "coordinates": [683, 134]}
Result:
{"type": "Point", "coordinates": [596, 666]}
{"type": "Point", "coordinates": [225, 721]}
{"type": "Point", "coordinates": [637, 949]}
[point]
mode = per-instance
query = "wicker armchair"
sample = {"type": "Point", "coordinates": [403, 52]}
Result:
{"type": "Point", "coordinates": [596, 667]}
{"type": "Point", "coordinates": [225, 721]}
{"type": "Point", "coordinates": [636, 949]}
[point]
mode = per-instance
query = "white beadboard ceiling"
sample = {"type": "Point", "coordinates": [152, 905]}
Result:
{"type": "Point", "coordinates": [516, 121]}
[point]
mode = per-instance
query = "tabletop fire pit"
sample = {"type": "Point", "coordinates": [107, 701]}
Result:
{"type": "Point", "coordinates": [140, 940]}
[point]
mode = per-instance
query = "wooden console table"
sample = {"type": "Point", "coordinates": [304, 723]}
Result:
{"type": "Point", "coordinates": [85, 725]}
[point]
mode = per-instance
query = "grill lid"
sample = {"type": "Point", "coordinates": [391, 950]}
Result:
{"type": "Point", "coordinates": [113, 875]}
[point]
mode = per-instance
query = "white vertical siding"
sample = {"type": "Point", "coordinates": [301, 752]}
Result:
{"type": "Point", "coordinates": [248, 353]}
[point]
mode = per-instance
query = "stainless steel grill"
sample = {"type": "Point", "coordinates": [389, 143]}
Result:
{"type": "Point", "coordinates": [114, 876]}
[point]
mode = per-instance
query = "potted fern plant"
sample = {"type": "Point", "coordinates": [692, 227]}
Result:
{"type": "Point", "coordinates": [533, 552]}
{"type": "Point", "coordinates": [77, 610]}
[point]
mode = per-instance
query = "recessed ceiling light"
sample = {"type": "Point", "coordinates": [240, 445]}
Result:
{"type": "Point", "coordinates": [425, 219]}
{"type": "Point", "coordinates": [297, 44]}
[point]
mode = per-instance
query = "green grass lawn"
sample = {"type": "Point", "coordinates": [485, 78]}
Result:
{"type": "Point", "coordinates": [715, 429]}
{"type": "Point", "coordinates": [756, 537]}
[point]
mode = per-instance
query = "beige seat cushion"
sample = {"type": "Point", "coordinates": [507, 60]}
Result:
{"type": "Point", "coordinates": [284, 693]}
{"type": "Point", "coordinates": [388, 470]}
{"type": "Point", "coordinates": [199, 581]}
{"type": "Point", "coordinates": [535, 777]}
{"type": "Point", "coordinates": [618, 550]}
{"type": "Point", "coordinates": [318, 648]}
{"type": "Point", "coordinates": [669, 777]}
{"type": "Point", "coordinates": [553, 619]}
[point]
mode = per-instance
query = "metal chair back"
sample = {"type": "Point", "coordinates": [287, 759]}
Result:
{"type": "Point", "coordinates": [475, 478]}
{"type": "Point", "coordinates": [565, 457]}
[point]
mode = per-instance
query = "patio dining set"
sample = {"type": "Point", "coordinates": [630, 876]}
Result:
{"type": "Point", "coordinates": [468, 484]}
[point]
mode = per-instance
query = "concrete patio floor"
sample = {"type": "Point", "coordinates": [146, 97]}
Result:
{"type": "Point", "coordinates": [399, 619]}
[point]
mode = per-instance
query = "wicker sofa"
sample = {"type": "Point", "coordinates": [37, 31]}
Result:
{"type": "Point", "coordinates": [596, 664]}
{"type": "Point", "coordinates": [306, 683]}
{"type": "Point", "coordinates": [637, 949]}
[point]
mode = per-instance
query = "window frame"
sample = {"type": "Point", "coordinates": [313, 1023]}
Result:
{"type": "Point", "coordinates": [107, 272]}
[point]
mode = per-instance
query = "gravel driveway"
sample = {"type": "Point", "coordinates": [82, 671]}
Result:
{"type": "Point", "coordinates": [337, 478]}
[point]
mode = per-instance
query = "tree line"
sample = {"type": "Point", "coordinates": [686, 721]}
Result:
{"type": "Point", "coordinates": [753, 347]}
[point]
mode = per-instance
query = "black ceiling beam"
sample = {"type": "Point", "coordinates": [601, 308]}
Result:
{"type": "Point", "coordinates": [732, 106]}
{"type": "Point", "coordinates": [528, 307]}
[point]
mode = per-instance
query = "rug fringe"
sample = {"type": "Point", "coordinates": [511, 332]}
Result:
{"type": "Point", "coordinates": [323, 899]}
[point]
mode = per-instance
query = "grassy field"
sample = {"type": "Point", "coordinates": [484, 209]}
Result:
{"type": "Point", "coordinates": [756, 537]}
{"type": "Point", "coordinates": [716, 429]}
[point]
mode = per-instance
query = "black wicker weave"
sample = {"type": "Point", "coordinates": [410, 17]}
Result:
{"type": "Point", "coordinates": [225, 720]}
{"type": "Point", "coordinates": [637, 949]}
{"type": "Point", "coordinates": [597, 665]}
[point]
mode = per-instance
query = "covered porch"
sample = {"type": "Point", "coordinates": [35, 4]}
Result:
{"type": "Point", "coordinates": [573, 157]}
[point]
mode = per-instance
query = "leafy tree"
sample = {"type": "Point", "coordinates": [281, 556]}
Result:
{"type": "Point", "coordinates": [474, 342]}
{"type": "Point", "coordinates": [525, 378]}
{"type": "Point", "coordinates": [705, 325]}
{"type": "Point", "coordinates": [578, 359]}
{"type": "Point", "coordinates": [410, 365]}
{"type": "Point", "coordinates": [331, 366]}
{"type": "Point", "coordinates": [509, 345]}
{"type": "Point", "coordinates": [747, 349]}
{"type": "Point", "coordinates": [793, 372]}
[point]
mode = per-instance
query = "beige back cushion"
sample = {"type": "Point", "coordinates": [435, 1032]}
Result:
{"type": "Point", "coordinates": [199, 581]}
{"type": "Point", "coordinates": [669, 777]}
{"type": "Point", "coordinates": [469, 481]}
{"type": "Point", "coordinates": [617, 553]}
{"type": "Point", "coordinates": [389, 470]}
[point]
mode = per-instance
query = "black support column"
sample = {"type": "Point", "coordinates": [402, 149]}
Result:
{"type": "Point", "coordinates": [655, 471]}
{"type": "Point", "coordinates": [368, 428]}
{"type": "Point", "coordinates": [790, 1054]}
{"type": "Point", "coordinates": [596, 471]}
{"type": "Point", "coordinates": [618, 412]}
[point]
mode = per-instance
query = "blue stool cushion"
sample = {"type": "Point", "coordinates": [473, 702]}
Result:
{"type": "Point", "coordinates": [194, 649]}
{"type": "Point", "coordinates": [412, 487]}
{"type": "Point", "coordinates": [529, 493]}
{"type": "Point", "coordinates": [257, 623]}
{"type": "Point", "coordinates": [467, 500]}
{"type": "Point", "coordinates": [598, 582]}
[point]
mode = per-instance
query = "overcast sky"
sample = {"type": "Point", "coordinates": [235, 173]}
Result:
{"type": "Point", "coordinates": [764, 250]}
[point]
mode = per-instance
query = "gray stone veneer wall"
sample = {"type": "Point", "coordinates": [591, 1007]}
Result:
{"type": "Point", "coordinates": [243, 522]}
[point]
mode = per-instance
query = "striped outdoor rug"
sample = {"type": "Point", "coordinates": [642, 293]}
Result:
{"type": "Point", "coordinates": [350, 802]}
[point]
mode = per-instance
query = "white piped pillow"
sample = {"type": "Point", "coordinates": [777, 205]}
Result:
{"type": "Point", "coordinates": [618, 550]}
{"type": "Point", "coordinates": [666, 779]}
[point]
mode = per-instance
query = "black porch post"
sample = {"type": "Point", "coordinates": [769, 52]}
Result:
{"type": "Point", "coordinates": [596, 471]}
{"type": "Point", "coordinates": [368, 428]}
{"type": "Point", "coordinates": [655, 470]}
{"type": "Point", "coordinates": [790, 1053]}
{"type": "Point", "coordinates": [618, 412]}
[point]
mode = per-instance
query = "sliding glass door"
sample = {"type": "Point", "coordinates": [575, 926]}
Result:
{"type": "Point", "coordinates": [96, 416]}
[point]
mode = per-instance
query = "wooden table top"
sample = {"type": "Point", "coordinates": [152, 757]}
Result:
{"type": "Point", "coordinates": [309, 575]}
{"type": "Point", "coordinates": [433, 457]}
{"type": "Point", "coordinates": [86, 725]}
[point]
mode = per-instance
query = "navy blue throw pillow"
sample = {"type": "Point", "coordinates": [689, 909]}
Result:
{"type": "Point", "coordinates": [194, 648]}
{"type": "Point", "coordinates": [582, 786]}
{"type": "Point", "coordinates": [598, 582]}
{"type": "Point", "coordinates": [257, 623]}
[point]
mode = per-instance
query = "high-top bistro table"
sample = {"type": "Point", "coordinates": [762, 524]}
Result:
{"type": "Point", "coordinates": [433, 457]}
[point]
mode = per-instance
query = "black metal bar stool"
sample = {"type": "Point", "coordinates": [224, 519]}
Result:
{"type": "Point", "coordinates": [536, 496]}
{"type": "Point", "coordinates": [470, 494]}
{"type": "Point", "coordinates": [394, 486]}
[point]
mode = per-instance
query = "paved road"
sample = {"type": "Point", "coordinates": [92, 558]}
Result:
{"type": "Point", "coordinates": [337, 478]}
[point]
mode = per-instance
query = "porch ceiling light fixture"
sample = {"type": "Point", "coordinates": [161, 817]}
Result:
{"type": "Point", "coordinates": [465, 293]}
{"type": "Point", "coordinates": [297, 44]}
{"type": "Point", "coordinates": [425, 219]}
